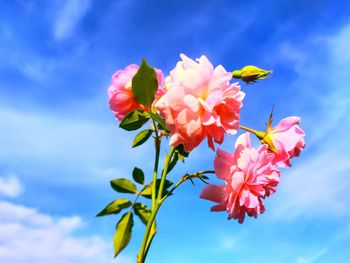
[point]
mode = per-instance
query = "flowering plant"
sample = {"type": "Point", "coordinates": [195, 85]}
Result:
{"type": "Point", "coordinates": [195, 102]}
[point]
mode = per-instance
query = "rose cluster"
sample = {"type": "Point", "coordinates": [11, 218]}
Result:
{"type": "Point", "coordinates": [197, 102]}
{"type": "Point", "coordinates": [252, 174]}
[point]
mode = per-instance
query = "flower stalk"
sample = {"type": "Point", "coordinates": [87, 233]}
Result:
{"type": "Point", "coordinates": [165, 172]}
{"type": "Point", "coordinates": [258, 134]}
{"type": "Point", "coordinates": [147, 239]}
{"type": "Point", "coordinates": [148, 236]}
{"type": "Point", "coordinates": [156, 162]}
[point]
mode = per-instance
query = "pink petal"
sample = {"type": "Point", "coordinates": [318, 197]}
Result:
{"type": "Point", "coordinates": [222, 164]}
{"type": "Point", "coordinates": [213, 193]}
{"type": "Point", "coordinates": [243, 139]}
{"type": "Point", "coordinates": [286, 124]}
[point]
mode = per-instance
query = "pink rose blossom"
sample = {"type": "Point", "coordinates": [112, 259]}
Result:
{"type": "Point", "coordinates": [121, 98]}
{"type": "Point", "coordinates": [287, 138]}
{"type": "Point", "coordinates": [200, 103]}
{"type": "Point", "coordinates": [249, 176]}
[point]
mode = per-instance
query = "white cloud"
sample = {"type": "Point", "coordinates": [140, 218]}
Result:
{"type": "Point", "coordinates": [343, 234]}
{"type": "Point", "coordinates": [228, 243]}
{"type": "Point", "coordinates": [69, 17]}
{"type": "Point", "coordinates": [21, 58]}
{"type": "Point", "coordinates": [340, 46]}
{"type": "Point", "coordinates": [34, 140]}
{"type": "Point", "coordinates": [30, 236]}
{"type": "Point", "coordinates": [294, 56]}
{"type": "Point", "coordinates": [10, 186]}
{"type": "Point", "coordinates": [312, 258]}
{"type": "Point", "coordinates": [318, 187]}
{"type": "Point", "coordinates": [318, 184]}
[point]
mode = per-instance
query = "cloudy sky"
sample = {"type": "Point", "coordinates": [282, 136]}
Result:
{"type": "Point", "coordinates": [60, 145]}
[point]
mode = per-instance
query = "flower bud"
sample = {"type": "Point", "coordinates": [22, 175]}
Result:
{"type": "Point", "coordinates": [286, 140]}
{"type": "Point", "coordinates": [251, 74]}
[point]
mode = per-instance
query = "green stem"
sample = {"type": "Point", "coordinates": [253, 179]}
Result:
{"type": "Point", "coordinates": [160, 202]}
{"type": "Point", "coordinates": [142, 255]}
{"type": "Point", "coordinates": [164, 174]}
{"type": "Point", "coordinates": [156, 162]}
{"type": "Point", "coordinates": [147, 238]}
{"type": "Point", "coordinates": [146, 242]}
{"type": "Point", "coordinates": [150, 239]}
{"type": "Point", "coordinates": [137, 196]}
{"type": "Point", "coordinates": [185, 178]}
{"type": "Point", "coordinates": [204, 172]}
{"type": "Point", "coordinates": [258, 134]}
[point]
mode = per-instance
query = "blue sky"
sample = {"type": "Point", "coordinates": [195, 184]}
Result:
{"type": "Point", "coordinates": [60, 144]}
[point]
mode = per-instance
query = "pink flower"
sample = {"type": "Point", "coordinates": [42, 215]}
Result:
{"type": "Point", "coordinates": [121, 98]}
{"type": "Point", "coordinates": [249, 177]}
{"type": "Point", "coordinates": [287, 140]}
{"type": "Point", "coordinates": [200, 103]}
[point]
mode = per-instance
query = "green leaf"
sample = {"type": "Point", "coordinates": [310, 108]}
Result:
{"type": "Point", "coordinates": [141, 137]}
{"type": "Point", "coordinates": [179, 154]}
{"type": "Point", "coordinates": [143, 212]}
{"type": "Point", "coordinates": [147, 191]}
{"type": "Point", "coordinates": [203, 178]}
{"type": "Point", "coordinates": [123, 185]}
{"type": "Point", "coordinates": [144, 84]}
{"type": "Point", "coordinates": [122, 234]}
{"type": "Point", "coordinates": [269, 122]}
{"type": "Point", "coordinates": [138, 175]}
{"type": "Point", "coordinates": [159, 119]}
{"type": "Point", "coordinates": [115, 207]}
{"type": "Point", "coordinates": [167, 183]}
{"type": "Point", "coordinates": [173, 162]}
{"type": "Point", "coordinates": [134, 120]}
{"type": "Point", "coordinates": [190, 177]}
{"type": "Point", "coordinates": [180, 151]}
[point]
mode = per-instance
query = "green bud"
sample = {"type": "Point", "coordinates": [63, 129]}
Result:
{"type": "Point", "coordinates": [264, 137]}
{"type": "Point", "coordinates": [267, 137]}
{"type": "Point", "coordinates": [251, 74]}
{"type": "Point", "coordinates": [269, 141]}
{"type": "Point", "coordinates": [237, 74]}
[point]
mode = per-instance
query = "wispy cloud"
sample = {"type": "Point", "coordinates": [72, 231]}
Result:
{"type": "Point", "coordinates": [31, 65]}
{"type": "Point", "coordinates": [317, 187]}
{"type": "Point", "coordinates": [28, 235]}
{"type": "Point", "coordinates": [73, 144]}
{"type": "Point", "coordinates": [312, 258]}
{"type": "Point", "coordinates": [10, 186]}
{"type": "Point", "coordinates": [228, 243]}
{"type": "Point", "coordinates": [318, 184]}
{"type": "Point", "coordinates": [340, 46]}
{"type": "Point", "coordinates": [69, 17]}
